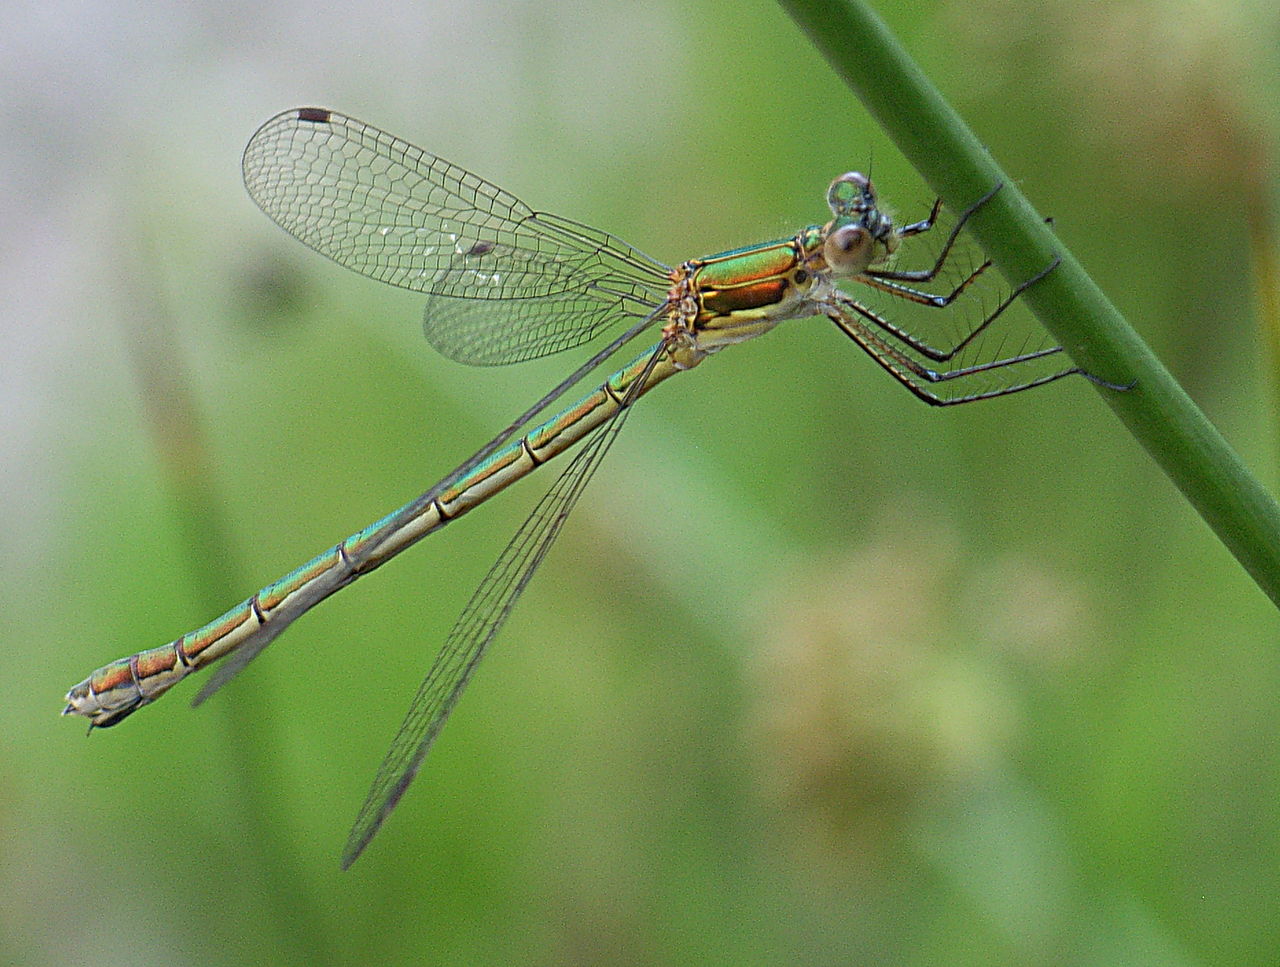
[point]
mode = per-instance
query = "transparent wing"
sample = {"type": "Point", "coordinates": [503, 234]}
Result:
{"type": "Point", "coordinates": [391, 211]}
{"type": "Point", "coordinates": [475, 628]}
{"type": "Point", "coordinates": [489, 332]}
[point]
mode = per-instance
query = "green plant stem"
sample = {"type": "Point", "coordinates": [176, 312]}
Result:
{"type": "Point", "coordinates": [1156, 410]}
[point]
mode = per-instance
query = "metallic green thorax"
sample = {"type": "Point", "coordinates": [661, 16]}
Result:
{"type": "Point", "coordinates": [759, 282]}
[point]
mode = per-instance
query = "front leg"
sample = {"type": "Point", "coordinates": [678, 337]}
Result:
{"type": "Point", "coordinates": [918, 228]}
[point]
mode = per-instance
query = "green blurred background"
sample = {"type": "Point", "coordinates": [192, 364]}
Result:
{"type": "Point", "coordinates": [817, 674]}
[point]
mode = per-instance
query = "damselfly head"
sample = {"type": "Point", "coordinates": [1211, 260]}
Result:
{"type": "Point", "coordinates": [859, 234]}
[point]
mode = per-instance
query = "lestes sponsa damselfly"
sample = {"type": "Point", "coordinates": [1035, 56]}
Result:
{"type": "Point", "coordinates": [507, 284]}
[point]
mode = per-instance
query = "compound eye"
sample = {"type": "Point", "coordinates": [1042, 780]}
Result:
{"type": "Point", "coordinates": [848, 249]}
{"type": "Point", "coordinates": [848, 193]}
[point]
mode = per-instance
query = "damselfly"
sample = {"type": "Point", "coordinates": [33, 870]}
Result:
{"type": "Point", "coordinates": [507, 284]}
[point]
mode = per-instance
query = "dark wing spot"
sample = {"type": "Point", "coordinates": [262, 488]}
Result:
{"type": "Point", "coordinates": [316, 115]}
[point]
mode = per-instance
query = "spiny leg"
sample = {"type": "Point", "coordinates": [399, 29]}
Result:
{"type": "Point", "coordinates": [918, 228]}
{"type": "Point", "coordinates": [943, 355]}
{"type": "Point", "coordinates": [922, 226]}
{"type": "Point", "coordinates": [890, 281]}
{"type": "Point", "coordinates": [931, 299]}
{"type": "Point", "coordinates": [893, 281]}
{"type": "Point", "coordinates": [919, 378]}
